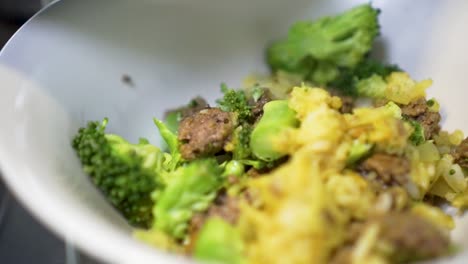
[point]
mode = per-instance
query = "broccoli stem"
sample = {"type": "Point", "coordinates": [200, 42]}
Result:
{"type": "Point", "coordinates": [277, 117]}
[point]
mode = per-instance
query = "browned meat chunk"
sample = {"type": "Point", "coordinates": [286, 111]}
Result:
{"type": "Point", "coordinates": [415, 108]}
{"type": "Point", "coordinates": [412, 237]}
{"type": "Point", "coordinates": [204, 133]}
{"type": "Point", "coordinates": [419, 111]}
{"type": "Point", "coordinates": [430, 123]}
{"type": "Point", "coordinates": [347, 104]}
{"type": "Point", "coordinates": [390, 169]}
{"type": "Point", "coordinates": [195, 106]}
{"type": "Point", "coordinates": [224, 206]}
{"type": "Point", "coordinates": [461, 154]}
{"type": "Point", "coordinates": [257, 106]}
{"type": "Point", "coordinates": [342, 256]}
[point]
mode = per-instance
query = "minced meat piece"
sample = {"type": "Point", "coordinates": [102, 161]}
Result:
{"type": "Point", "coordinates": [390, 169]}
{"type": "Point", "coordinates": [418, 110]}
{"type": "Point", "coordinates": [411, 236]}
{"type": "Point", "coordinates": [224, 206]}
{"type": "Point", "coordinates": [430, 123]}
{"type": "Point", "coordinates": [461, 154]}
{"type": "Point", "coordinates": [342, 255]}
{"type": "Point", "coordinates": [415, 108]}
{"type": "Point", "coordinates": [257, 106]}
{"type": "Point", "coordinates": [347, 104]}
{"type": "Point", "coordinates": [195, 106]}
{"type": "Point", "coordinates": [204, 133]}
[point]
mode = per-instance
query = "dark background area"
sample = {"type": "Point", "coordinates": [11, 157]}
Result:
{"type": "Point", "coordinates": [22, 238]}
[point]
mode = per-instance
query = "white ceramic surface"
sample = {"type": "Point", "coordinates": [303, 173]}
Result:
{"type": "Point", "coordinates": [65, 67]}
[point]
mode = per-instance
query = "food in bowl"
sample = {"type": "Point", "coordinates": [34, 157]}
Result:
{"type": "Point", "coordinates": [334, 157]}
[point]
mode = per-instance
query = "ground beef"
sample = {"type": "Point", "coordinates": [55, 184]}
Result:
{"type": "Point", "coordinates": [346, 100]}
{"type": "Point", "coordinates": [412, 237]}
{"type": "Point", "coordinates": [342, 255]}
{"type": "Point", "coordinates": [204, 133]}
{"type": "Point", "coordinates": [195, 106]}
{"type": "Point", "coordinates": [224, 206]}
{"type": "Point", "coordinates": [379, 102]}
{"type": "Point", "coordinates": [415, 108]}
{"type": "Point", "coordinates": [347, 104]}
{"type": "Point", "coordinates": [390, 169]}
{"type": "Point", "coordinates": [430, 122]}
{"type": "Point", "coordinates": [461, 154]}
{"type": "Point", "coordinates": [257, 106]}
{"type": "Point", "coordinates": [419, 111]}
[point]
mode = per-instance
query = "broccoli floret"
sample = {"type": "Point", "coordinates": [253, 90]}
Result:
{"type": "Point", "coordinates": [358, 152]}
{"type": "Point", "coordinates": [257, 93]}
{"type": "Point", "coordinates": [241, 142]}
{"type": "Point", "coordinates": [235, 101]}
{"type": "Point", "coordinates": [367, 79]}
{"type": "Point", "coordinates": [417, 137]}
{"type": "Point", "coordinates": [219, 242]}
{"type": "Point", "coordinates": [191, 189]}
{"type": "Point", "coordinates": [125, 173]}
{"type": "Point", "coordinates": [316, 49]}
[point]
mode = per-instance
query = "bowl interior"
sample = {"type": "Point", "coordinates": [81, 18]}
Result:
{"type": "Point", "coordinates": [66, 66]}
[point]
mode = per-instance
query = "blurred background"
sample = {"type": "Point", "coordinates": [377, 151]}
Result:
{"type": "Point", "coordinates": [22, 238]}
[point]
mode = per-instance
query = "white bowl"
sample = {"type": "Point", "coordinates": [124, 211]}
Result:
{"type": "Point", "coordinates": [65, 67]}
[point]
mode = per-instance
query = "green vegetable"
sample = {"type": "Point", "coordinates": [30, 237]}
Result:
{"type": "Point", "coordinates": [277, 116]}
{"type": "Point", "coordinates": [417, 137]}
{"type": "Point", "coordinates": [125, 173]}
{"type": "Point", "coordinates": [191, 189]}
{"type": "Point", "coordinates": [257, 92]}
{"type": "Point", "coordinates": [219, 242]}
{"type": "Point", "coordinates": [366, 79]}
{"type": "Point", "coordinates": [173, 120]}
{"type": "Point", "coordinates": [173, 160]}
{"type": "Point", "coordinates": [235, 101]}
{"type": "Point", "coordinates": [373, 87]}
{"type": "Point", "coordinates": [317, 49]}
{"type": "Point", "coordinates": [433, 105]}
{"type": "Point", "coordinates": [241, 141]}
{"type": "Point", "coordinates": [358, 152]}
{"type": "Point", "coordinates": [235, 168]}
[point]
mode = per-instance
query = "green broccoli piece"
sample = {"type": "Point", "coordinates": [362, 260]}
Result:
{"type": "Point", "coordinates": [257, 93]}
{"type": "Point", "coordinates": [358, 152]}
{"type": "Point", "coordinates": [241, 142]}
{"type": "Point", "coordinates": [417, 137]}
{"type": "Point", "coordinates": [191, 189]}
{"type": "Point", "coordinates": [367, 79]}
{"type": "Point", "coordinates": [219, 242]}
{"type": "Point", "coordinates": [125, 173]}
{"type": "Point", "coordinates": [173, 160]}
{"type": "Point", "coordinates": [235, 101]}
{"type": "Point", "coordinates": [372, 87]}
{"type": "Point", "coordinates": [277, 116]}
{"type": "Point", "coordinates": [173, 120]}
{"type": "Point", "coordinates": [234, 168]}
{"type": "Point", "coordinates": [317, 49]}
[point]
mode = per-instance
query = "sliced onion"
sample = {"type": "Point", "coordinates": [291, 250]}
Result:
{"type": "Point", "coordinates": [455, 178]}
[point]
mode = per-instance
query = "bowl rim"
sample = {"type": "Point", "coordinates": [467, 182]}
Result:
{"type": "Point", "coordinates": [105, 252]}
